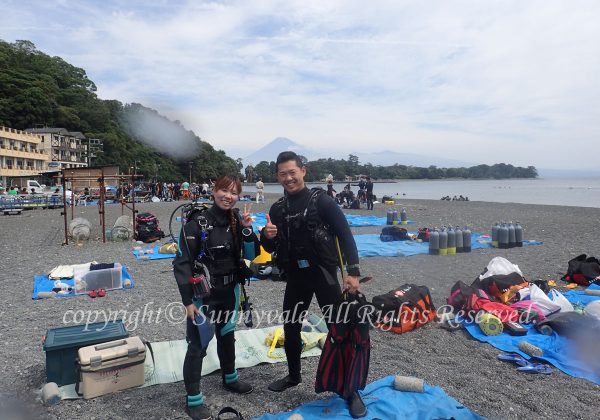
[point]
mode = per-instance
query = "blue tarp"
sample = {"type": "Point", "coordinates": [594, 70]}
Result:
{"type": "Point", "coordinates": [354, 220]}
{"type": "Point", "coordinates": [369, 245]}
{"type": "Point", "coordinates": [42, 283]}
{"type": "Point", "coordinates": [384, 402]}
{"type": "Point", "coordinates": [558, 350]}
{"type": "Point", "coordinates": [359, 220]}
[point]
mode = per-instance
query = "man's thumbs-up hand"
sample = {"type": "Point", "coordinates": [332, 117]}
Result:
{"type": "Point", "coordinates": [270, 230]}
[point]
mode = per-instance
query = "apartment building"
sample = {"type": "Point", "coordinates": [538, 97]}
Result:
{"type": "Point", "coordinates": [67, 148]}
{"type": "Point", "coordinates": [21, 154]}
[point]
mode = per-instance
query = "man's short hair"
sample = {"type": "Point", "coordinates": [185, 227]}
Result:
{"type": "Point", "coordinates": [286, 157]}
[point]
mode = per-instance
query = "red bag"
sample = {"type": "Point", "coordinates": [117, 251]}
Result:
{"type": "Point", "coordinates": [502, 311]}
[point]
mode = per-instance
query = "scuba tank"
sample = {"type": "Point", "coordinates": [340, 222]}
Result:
{"type": "Point", "coordinates": [403, 217]}
{"type": "Point", "coordinates": [395, 217]}
{"type": "Point", "coordinates": [495, 235]}
{"type": "Point", "coordinates": [434, 243]}
{"type": "Point", "coordinates": [443, 242]}
{"type": "Point", "coordinates": [451, 241]}
{"type": "Point", "coordinates": [466, 239]}
{"type": "Point", "coordinates": [390, 216]}
{"type": "Point", "coordinates": [459, 240]}
{"type": "Point", "coordinates": [518, 235]}
{"type": "Point", "coordinates": [511, 235]}
{"type": "Point", "coordinates": [503, 236]}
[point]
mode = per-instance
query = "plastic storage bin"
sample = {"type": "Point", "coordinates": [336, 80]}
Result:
{"type": "Point", "coordinates": [61, 346]}
{"type": "Point", "coordinates": [107, 279]}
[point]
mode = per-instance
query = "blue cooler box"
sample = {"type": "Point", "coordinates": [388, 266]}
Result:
{"type": "Point", "coordinates": [61, 346]}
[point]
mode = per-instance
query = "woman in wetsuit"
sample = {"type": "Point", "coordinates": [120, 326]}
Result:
{"type": "Point", "coordinates": [209, 273]}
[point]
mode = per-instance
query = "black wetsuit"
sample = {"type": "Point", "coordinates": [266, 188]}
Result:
{"type": "Point", "coordinates": [330, 191]}
{"type": "Point", "coordinates": [222, 260]}
{"type": "Point", "coordinates": [369, 188]}
{"type": "Point", "coordinates": [307, 272]}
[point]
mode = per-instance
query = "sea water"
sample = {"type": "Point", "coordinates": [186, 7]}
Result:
{"type": "Point", "coordinates": [581, 192]}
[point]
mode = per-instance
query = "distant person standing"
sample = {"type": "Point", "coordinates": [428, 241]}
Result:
{"type": "Point", "coordinates": [260, 190]}
{"type": "Point", "coordinates": [369, 189]}
{"type": "Point", "coordinates": [185, 190]}
{"type": "Point", "coordinates": [362, 183]}
{"type": "Point", "coordinates": [330, 191]}
{"type": "Point", "coordinates": [177, 191]}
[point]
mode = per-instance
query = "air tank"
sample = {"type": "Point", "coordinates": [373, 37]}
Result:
{"type": "Point", "coordinates": [434, 242]}
{"type": "Point", "coordinates": [518, 235]}
{"type": "Point", "coordinates": [459, 239]}
{"type": "Point", "coordinates": [395, 217]}
{"type": "Point", "coordinates": [495, 235]}
{"type": "Point", "coordinates": [443, 242]}
{"type": "Point", "coordinates": [466, 239]}
{"type": "Point", "coordinates": [403, 217]}
{"type": "Point", "coordinates": [503, 236]}
{"type": "Point", "coordinates": [511, 235]}
{"type": "Point", "coordinates": [451, 241]}
{"type": "Point", "coordinates": [390, 216]}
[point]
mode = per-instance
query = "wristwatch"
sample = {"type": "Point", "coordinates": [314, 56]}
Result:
{"type": "Point", "coordinates": [353, 270]}
{"type": "Point", "coordinates": [247, 231]}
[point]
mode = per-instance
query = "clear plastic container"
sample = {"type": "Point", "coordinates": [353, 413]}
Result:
{"type": "Point", "coordinates": [107, 279]}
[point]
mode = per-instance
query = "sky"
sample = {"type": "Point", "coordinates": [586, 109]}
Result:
{"type": "Point", "coordinates": [479, 80]}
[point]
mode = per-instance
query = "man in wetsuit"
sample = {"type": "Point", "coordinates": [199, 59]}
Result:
{"type": "Point", "coordinates": [369, 189]}
{"type": "Point", "coordinates": [301, 241]}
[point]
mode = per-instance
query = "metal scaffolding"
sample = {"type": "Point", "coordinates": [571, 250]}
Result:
{"type": "Point", "coordinates": [101, 202]}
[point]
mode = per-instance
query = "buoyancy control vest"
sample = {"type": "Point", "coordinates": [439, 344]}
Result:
{"type": "Point", "coordinates": [304, 235]}
{"type": "Point", "coordinates": [218, 249]}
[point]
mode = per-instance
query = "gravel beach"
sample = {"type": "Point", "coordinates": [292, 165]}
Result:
{"type": "Point", "coordinates": [466, 369]}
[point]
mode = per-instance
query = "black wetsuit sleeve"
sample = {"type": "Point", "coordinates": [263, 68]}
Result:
{"type": "Point", "coordinates": [332, 215]}
{"type": "Point", "coordinates": [189, 240]}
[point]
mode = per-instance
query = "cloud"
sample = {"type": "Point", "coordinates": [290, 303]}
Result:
{"type": "Point", "coordinates": [470, 80]}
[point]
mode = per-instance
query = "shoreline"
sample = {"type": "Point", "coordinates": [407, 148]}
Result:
{"type": "Point", "coordinates": [466, 369]}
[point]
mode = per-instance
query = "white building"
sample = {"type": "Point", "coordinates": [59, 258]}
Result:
{"type": "Point", "coordinates": [68, 148]}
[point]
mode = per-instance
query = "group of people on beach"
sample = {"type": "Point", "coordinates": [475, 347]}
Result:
{"type": "Point", "coordinates": [172, 191]}
{"type": "Point", "coordinates": [455, 198]}
{"type": "Point", "coordinates": [210, 274]}
{"type": "Point", "coordinates": [346, 199]}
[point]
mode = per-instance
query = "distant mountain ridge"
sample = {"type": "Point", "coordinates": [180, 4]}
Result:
{"type": "Point", "coordinates": [270, 151]}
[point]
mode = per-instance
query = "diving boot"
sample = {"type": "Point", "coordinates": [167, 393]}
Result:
{"type": "Point", "coordinates": [239, 387]}
{"type": "Point", "coordinates": [285, 383]}
{"type": "Point", "coordinates": [356, 406]}
{"type": "Point", "coordinates": [196, 409]}
{"type": "Point", "coordinates": [232, 383]}
{"type": "Point", "coordinates": [199, 412]}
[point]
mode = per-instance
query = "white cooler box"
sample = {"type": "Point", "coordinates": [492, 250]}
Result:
{"type": "Point", "coordinates": [111, 366]}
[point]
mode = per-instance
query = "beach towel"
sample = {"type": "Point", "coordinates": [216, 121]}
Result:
{"type": "Point", "coordinates": [153, 255]}
{"type": "Point", "coordinates": [167, 367]}
{"type": "Point", "coordinates": [42, 283]}
{"type": "Point", "coordinates": [384, 402]}
{"type": "Point", "coordinates": [557, 349]}
{"type": "Point", "coordinates": [370, 245]}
